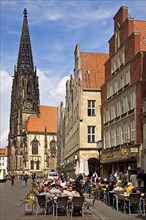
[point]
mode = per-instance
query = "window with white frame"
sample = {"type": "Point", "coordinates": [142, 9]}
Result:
{"type": "Point", "coordinates": [132, 130]}
{"type": "Point", "coordinates": [121, 82]}
{"type": "Point", "coordinates": [106, 139]}
{"type": "Point", "coordinates": [118, 108]}
{"type": "Point", "coordinates": [91, 134]}
{"type": "Point", "coordinates": [106, 115]}
{"type": "Point", "coordinates": [123, 56]}
{"type": "Point", "coordinates": [119, 62]}
{"type": "Point", "coordinates": [125, 104]}
{"type": "Point", "coordinates": [118, 135]}
{"type": "Point", "coordinates": [132, 100]}
{"type": "Point", "coordinates": [112, 140]}
{"type": "Point", "coordinates": [116, 86]}
{"type": "Point", "coordinates": [112, 112]}
{"type": "Point", "coordinates": [110, 91]}
{"type": "Point", "coordinates": [127, 77]}
{"type": "Point", "coordinates": [91, 107]}
{"type": "Point", "coordinates": [115, 67]}
{"type": "Point", "coordinates": [125, 133]}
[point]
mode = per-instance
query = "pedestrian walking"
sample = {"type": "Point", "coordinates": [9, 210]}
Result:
{"type": "Point", "coordinates": [12, 179]}
{"type": "Point", "coordinates": [33, 178]}
{"type": "Point", "coordinates": [95, 176]}
{"type": "Point", "coordinates": [25, 178]}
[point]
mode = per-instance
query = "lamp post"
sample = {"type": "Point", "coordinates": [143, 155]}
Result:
{"type": "Point", "coordinates": [99, 148]}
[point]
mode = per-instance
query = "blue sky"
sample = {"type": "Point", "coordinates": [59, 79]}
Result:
{"type": "Point", "coordinates": [56, 26]}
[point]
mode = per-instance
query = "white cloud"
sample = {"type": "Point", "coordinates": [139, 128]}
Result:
{"type": "Point", "coordinates": [5, 94]}
{"type": "Point", "coordinates": [61, 86]}
{"type": "Point", "coordinates": [53, 16]}
{"type": "Point", "coordinates": [52, 90]}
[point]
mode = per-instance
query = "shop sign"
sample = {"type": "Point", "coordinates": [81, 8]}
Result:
{"type": "Point", "coordinates": [109, 154]}
{"type": "Point", "coordinates": [134, 150]}
{"type": "Point", "coordinates": [89, 155]}
{"type": "Point", "coordinates": [124, 151]}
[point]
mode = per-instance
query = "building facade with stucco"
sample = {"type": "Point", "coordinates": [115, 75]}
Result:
{"type": "Point", "coordinates": [83, 105]}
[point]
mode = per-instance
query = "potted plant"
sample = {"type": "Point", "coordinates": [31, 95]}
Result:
{"type": "Point", "coordinates": [29, 201]}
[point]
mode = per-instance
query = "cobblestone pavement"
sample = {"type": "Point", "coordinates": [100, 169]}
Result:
{"type": "Point", "coordinates": [12, 209]}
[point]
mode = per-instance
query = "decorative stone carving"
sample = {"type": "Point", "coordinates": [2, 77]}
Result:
{"type": "Point", "coordinates": [144, 107]}
{"type": "Point", "coordinates": [27, 105]}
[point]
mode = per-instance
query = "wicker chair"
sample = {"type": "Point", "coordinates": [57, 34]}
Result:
{"type": "Point", "coordinates": [90, 200]}
{"type": "Point", "coordinates": [133, 201]}
{"type": "Point", "coordinates": [61, 204]}
{"type": "Point", "coordinates": [117, 199]}
{"type": "Point", "coordinates": [77, 204]}
{"type": "Point", "coordinates": [41, 203]}
{"type": "Point", "coordinates": [143, 203]}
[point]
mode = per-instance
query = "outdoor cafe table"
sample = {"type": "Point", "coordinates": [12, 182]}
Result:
{"type": "Point", "coordinates": [125, 196]}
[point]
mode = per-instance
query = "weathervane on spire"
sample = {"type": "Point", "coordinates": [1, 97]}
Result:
{"type": "Point", "coordinates": [25, 12]}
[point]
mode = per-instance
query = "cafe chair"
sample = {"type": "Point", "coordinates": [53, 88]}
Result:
{"type": "Point", "coordinates": [133, 201]}
{"type": "Point", "coordinates": [60, 204]}
{"type": "Point", "coordinates": [90, 200]}
{"type": "Point", "coordinates": [77, 205]}
{"type": "Point", "coordinates": [143, 203]}
{"type": "Point", "coordinates": [117, 199]}
{"type": "Point", "coordinates": [41, 204]}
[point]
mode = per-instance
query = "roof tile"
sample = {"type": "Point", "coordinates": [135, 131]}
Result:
{"type": "Point", "coordinates": [93, 71]}
{"type": "Point", "coordinates": [46, 120]}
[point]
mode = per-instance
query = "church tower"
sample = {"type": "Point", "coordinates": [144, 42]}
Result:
{"type": "Point", "coordinates": [24, 99]}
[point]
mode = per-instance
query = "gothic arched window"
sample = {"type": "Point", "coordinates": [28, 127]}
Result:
{"type": "Point", "coordinates": [35, 145]}
{"type": "Point", "coordinates": [37, 165]}
{"type": "Point", "coordinates": [29, 90]}
{"type": "Point", "coordinates": [32, 165]}
{"type": "Point", "coordinates": [53, 147]}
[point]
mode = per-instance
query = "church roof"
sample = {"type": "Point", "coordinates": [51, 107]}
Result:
{"type": "Point", "coordinates": [46, 121]}
{"type": "Point", "coordinates": [93, 71]}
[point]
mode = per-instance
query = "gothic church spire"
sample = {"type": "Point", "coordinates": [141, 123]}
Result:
{"type": "Point", "coordinates": [25, 58]}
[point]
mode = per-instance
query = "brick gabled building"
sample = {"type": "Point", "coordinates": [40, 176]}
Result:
{"type": "Point", "coordinates": [123, 94]}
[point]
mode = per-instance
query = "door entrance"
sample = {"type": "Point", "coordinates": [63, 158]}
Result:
{"type": "Point", "coordinates": [93, 165]}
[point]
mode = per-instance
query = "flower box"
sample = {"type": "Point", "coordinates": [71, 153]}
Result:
{"type": "Point", "coordinates": [28, 208]}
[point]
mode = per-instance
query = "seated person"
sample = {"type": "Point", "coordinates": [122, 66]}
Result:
{"type": "Point", "coordinates": [118, 186]}
{"type": "Point", "coordinates": [56, 190]}
{"type": "Point", "coordinates": [47, 192]}
{"type": "Point", "coordinates": [70, 192]}
{"type": "Point", "coordinates": [129, 188]}
{"type": "Point", "coordinates": [62, 183]}
{"type": "Point", "coordinates": [135, 190]}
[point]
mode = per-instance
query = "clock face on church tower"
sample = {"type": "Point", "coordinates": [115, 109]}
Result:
{"type": "Point", "coordinates": [27, 105]}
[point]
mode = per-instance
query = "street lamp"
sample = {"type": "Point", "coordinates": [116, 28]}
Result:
{"type": "Point", "coordinates": [99, 148]}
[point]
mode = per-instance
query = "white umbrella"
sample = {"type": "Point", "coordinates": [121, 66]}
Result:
{"type": "Point", "coordinates": [81, 166]}
{"type": "Point", "coordinates": [86, 168]}
{"type": "Point", "coordinates": [77, 170]}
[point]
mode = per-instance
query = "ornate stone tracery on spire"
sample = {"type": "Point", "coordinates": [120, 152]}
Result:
{"type": "Point", "coordinates": [25, 12]}
{"type": "Point", "coordinates": [25, 58]}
